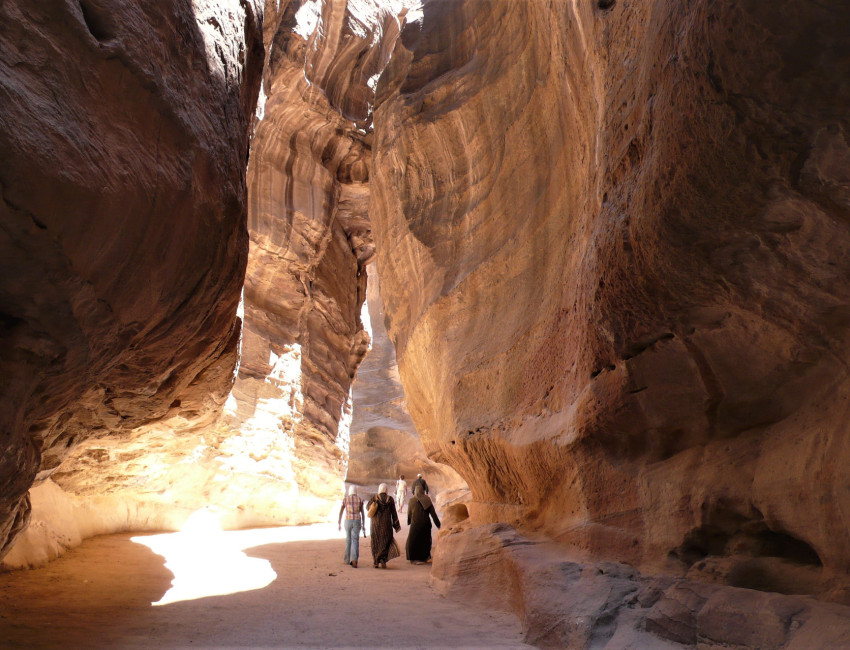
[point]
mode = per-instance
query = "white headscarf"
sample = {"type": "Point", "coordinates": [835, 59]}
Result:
{"type": "Point", "coordinates": [352, 489]}
{"type": "Point", "coordinates": [382, 488]}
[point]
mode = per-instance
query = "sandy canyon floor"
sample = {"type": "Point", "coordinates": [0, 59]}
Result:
{"type": "Point", "coordinates": [203, 588]}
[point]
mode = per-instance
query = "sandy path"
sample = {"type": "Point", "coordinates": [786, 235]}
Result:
{"type": "Point", "coordinates": [99, 595]}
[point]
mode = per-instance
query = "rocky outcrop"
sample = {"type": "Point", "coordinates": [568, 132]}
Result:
{"type": "Point", "coordinates": [570, 604]}
{"type": "Point", "coordinates": [124, 134]}
{"type": "Point", "coordinates": [279, 454]}
{"type": "Point", "coordinates": [612, 243]}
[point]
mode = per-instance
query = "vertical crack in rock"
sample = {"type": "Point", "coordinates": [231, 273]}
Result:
{"type": "Point", "coordinates": [384, 441]}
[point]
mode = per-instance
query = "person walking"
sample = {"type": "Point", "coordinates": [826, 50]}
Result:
{"type": "Point", "coordinates": [381, 509]}
{"type": "Point", "coordinates": [401, 493]}
{"type": "Point", "coordinates": [420, 481]}
{"type": "Point", "coordinates": [420, 511]}
{"type": "Point", "coordinates": [352, 505]}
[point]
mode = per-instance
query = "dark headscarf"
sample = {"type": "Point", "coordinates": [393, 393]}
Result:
{"type": "Point", "coordinates": [423, 498]}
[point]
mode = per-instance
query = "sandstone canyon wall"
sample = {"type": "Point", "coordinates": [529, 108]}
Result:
{"type": "Point", "coordinates": [279, 453]}
{"type": "Point", "coordinates": [612, 242]}
{"type": "Point", "coordinates": [310, 241]}
{"type": "Point", "coordinates": [611, 238]}
{"type": "Point", "coordinates": [384, 442]}
{"type": "Point", "coordinates": [124, 134]}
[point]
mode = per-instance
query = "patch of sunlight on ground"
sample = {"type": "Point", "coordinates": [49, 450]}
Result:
{"type": "Point", "coordinates": [207, 561]}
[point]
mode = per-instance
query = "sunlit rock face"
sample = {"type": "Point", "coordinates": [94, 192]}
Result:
{"type": "Point", "coordinates": [612, 244]}
{"type": "Point", "coordinates": [279, 453]}
{"type": "Point", "coordinates": [310, 241]}
{"type": "Point", "coordinates": [124, 134]}
{"type": "Point", "coordinates": [613, 248]}
{"type": "Point", "coordinates": [384, 442]}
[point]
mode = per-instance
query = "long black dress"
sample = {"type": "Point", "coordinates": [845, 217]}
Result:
{"type": "Point", "coordinates": [385, 520]}
{"type": "Point", "coordinates": [418, 548]}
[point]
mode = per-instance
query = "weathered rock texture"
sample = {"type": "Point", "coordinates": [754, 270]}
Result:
{"type": "Point", "coordinates": [310, 241]}
{"type": "Point", "coordinates": [384, 442]}
{"type": "Point", "coordinates": [279, 455]}
{"type": "Point", "coordinates": [612, 239]}
{"type": "Point", "coordinates": [569, 604]}
{"type": "Point", "coordinates": [124, 134]}
{"type": "Point", "coordinates": [613, 247]}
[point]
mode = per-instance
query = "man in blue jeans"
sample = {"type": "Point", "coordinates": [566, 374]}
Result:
{"type": "Point", "coordinates": [352, 505]}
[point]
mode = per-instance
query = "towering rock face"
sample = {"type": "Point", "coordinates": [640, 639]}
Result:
{"type": "Point", "coordinates": [310, 241]}
{"type": "Point", "coordinates": [124, 134]}
{"type": "Point", "coordinates": [280, 454]}
{"type": "Point", "coordinates": [612, 241]}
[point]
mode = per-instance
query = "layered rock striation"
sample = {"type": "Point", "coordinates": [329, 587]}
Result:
{"type": "Point", "coordinates": [612, 247]}
{"type": "Point", "coordinates": [279, 453]}
{"type": "Point", "coordinates": [384, 442]}
{"type": "Point", "coordinates": [611, 240]}
{"type": "Point", "coordinates": [124, 135]}
{"type": "Point", "coordinates": [310, 242]}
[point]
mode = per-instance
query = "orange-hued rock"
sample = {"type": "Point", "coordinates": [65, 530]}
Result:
{"type": "Point", "coordinates": [123, 134]}
{"type": "Point", "coordinates": [308, 182]}
{"type": "Point", "coordinates": [613, 245]}
{"type": "Point", "coordinates": [384, 442]}
{"type": "Point", "coordinates": [279, 454]}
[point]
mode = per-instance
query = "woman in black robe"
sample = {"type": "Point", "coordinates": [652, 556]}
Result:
{"type": "Point", "coordinates": [384, 521]}
{"type": "Point", "coordinates": [420, 511]}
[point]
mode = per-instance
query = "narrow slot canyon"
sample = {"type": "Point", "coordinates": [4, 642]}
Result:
{"type": "Point", "coordinates": [581, 264]}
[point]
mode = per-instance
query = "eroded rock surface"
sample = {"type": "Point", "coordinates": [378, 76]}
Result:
{"type": "Point", "coordinates": [570, 604]}
{"type": "Point", "coordinates": [124, 134]}
{"type": "Point", "coordinates": [279, 453]}
{"type": "Point", "coordinates": [384, 442]}
{"type": "Point", "coordinates": [310, 242]}
{"type": "Point", "coordinates": [612, 243]}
